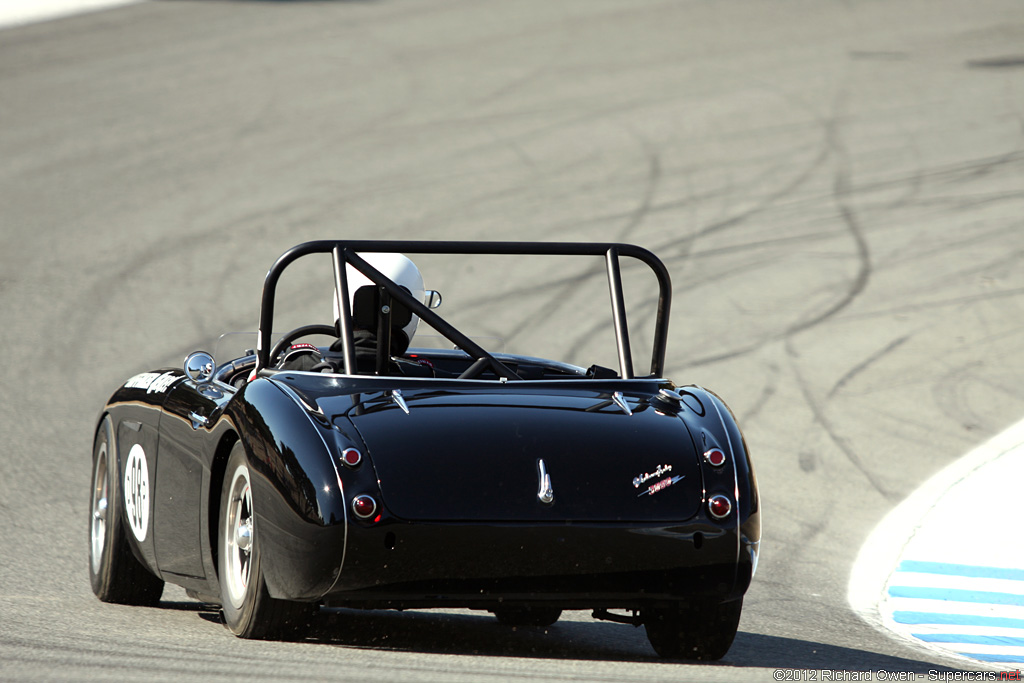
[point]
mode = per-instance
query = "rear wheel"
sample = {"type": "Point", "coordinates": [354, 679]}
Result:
{"type": "Point", "coordinates": [527, 616]}
{"type": "Point", "coordinates": [115, 573]}
{"type": "Point", "coordinates": [249, 611]}
{"type": "Point", "coordinates": [694, 630]}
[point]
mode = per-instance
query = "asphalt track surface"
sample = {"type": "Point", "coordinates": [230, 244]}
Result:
{"type": "Point", "coordinates": [837, 187]}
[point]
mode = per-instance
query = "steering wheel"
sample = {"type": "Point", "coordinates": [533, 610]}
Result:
{"type": "Point", "coordinates": [297, 333]}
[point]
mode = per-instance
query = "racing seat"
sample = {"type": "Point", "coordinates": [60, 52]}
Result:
{"type": "Point", "coordinates": [366, 314]}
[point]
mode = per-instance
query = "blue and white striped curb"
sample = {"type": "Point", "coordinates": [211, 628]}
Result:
{"type": "Point", "coordinates": [945, 569]}
{"type": "Point", "coordinates": [974, 611]}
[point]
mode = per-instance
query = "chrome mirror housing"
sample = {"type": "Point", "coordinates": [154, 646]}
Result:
{"type": "Point", "coordinates": [433, 298]}
{"type": "Point", "coordinates": [199, 366]}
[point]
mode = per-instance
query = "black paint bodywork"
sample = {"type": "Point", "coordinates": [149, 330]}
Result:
{"type": "Point", "coordinates": [460, 522]}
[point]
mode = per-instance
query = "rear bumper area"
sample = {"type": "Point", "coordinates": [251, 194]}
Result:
{"type": "Point", "coordinates": [573, 566]}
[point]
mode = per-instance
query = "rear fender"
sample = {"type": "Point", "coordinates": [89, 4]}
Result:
{"type": "Point", "coordinates": [297, 496]}
{"type": "Point", "coordinates": [721, 427]}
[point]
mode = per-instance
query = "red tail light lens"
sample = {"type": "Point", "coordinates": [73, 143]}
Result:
{"type": "Point", "coordinates": [351, 457]}
{"type": "Point", "coordinates": [364, 506]}
{"type": "Point", "coordinates": [714, 457]}
{"type": "Point", "coordinates": [719, 506]}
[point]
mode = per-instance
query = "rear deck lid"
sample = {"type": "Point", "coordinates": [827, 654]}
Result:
{"type": "Point", "coordinates": [484, 456]}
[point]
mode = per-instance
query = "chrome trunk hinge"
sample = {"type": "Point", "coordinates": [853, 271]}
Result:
{"type": "Point", "coordinates": [396, 396]}
{"type": "Point", "coordinates": [619, 401]}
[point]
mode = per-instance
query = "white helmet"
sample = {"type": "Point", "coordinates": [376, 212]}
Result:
{"type": "Point", "coordinates": [396, 267]}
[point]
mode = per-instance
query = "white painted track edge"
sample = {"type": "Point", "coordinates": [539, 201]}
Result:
{"type": "Point", "coordinates": [880, 554]}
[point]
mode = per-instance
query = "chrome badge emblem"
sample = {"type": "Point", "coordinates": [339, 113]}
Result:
{"type": "Point", "coordinates": [661, 485]}
{"type": "Point", "coordinates": [545, 493]}
{"type": "Point", "coordinates": [646, 476]}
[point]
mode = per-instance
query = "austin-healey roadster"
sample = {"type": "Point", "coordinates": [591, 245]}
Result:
{"type": "Point", "coordinates": [371, 473]}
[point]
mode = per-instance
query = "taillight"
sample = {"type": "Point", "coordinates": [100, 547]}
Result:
{"type": "Point", "coordinates": [714, 457]}
{"type": "Point", "coordinates": [719, 506]}
{"type": "Point", "coordinates": [351, 457]}
{"type": "Point", "coordinates": [364, 506]}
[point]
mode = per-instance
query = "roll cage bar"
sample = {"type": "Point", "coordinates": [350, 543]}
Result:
{"type": "Point", "coordinates": [347, 252]}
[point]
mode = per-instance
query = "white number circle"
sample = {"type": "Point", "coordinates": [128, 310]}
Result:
{"type": "Point", "coordinates": [136, 491]}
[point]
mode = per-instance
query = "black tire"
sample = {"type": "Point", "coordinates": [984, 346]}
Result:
{"type": "Point", "coordinates": [702, 630]}
{"type": "Point", "coordinates": [249, 611]}
{"type": "Point", "coordinates": [115, 573]}
{"type": "Point", "coordinates": [527, 616]}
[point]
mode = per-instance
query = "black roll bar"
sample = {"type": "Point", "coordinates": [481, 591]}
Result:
{"type": "Point", "coordinates": [619, 312]}
{"type": "Point", "coordinates": [345, 252]}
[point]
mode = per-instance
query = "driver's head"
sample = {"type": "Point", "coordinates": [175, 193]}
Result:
{"type": "Point", "coordinates": [396, 267]}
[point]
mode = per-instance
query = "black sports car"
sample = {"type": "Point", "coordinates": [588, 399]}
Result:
{"type": "Point", "coordinates": [367, 474]}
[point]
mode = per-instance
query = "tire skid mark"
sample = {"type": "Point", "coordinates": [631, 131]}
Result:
{"type": "Point", "coordinates": [949, 173]}
{"type": "Point", "coordinates": [866, 363]}
{"type": "Point", "coordinates": [919, 251]}
{"type": "Point", "coordinates": [518, 83]}
{"type": "Point", "coordinates": [641, 316]}
{"type": "Point", "coordinates": [670, 250]}
{"type": "Point", "coordinates": [818, 411]}
{"type": "Point", "coordinates": [767, 393]}
{"type": "Point", "coordinates": [581, 340]}
{"type": "Point", "coordinates": [796, 552]}
{"type": "Point", "coordinates": [941, 303]}
{"type": "Point", "coordinates": [758, 245]}
{"type": "Point", "coordinates": [680, 246]}
{"type": "Point", "coordinates": [633, 222]}
{"type": "Point", "coordinates": [683, 249]}
{"type": "Point", "coordinates": [561, 292]}
{"type": "Point", "coordinates": [79, 312]}
{"type": "Point", "coordinates": [1007, 262]}
{"type": "Point", "coordinates": [654, 175]}
{"type": "Point", "coordinates": [572, 120]}
{"type": "Point", "coordinates": [975, 168]}
{"type": "Point", "coordinates": [567, 282]}
{"type": "Point", "coordinates": [949, 394]}
{"type": "Point", "coordinates": [841, 192]}
{"type": "Point", "coordinates": [768, 201]}
{"type": "Point", "coordinates": [718, 192]}
{"type": "Point", "coordinates": [571, 287]}
{"type": "Point", "coordinates": [394, 62]}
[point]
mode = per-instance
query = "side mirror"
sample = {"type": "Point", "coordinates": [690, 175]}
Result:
{"type": "Point", "coordinates": [199, 366]}
{"type": "Point", "coordinates": [433, 298]}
